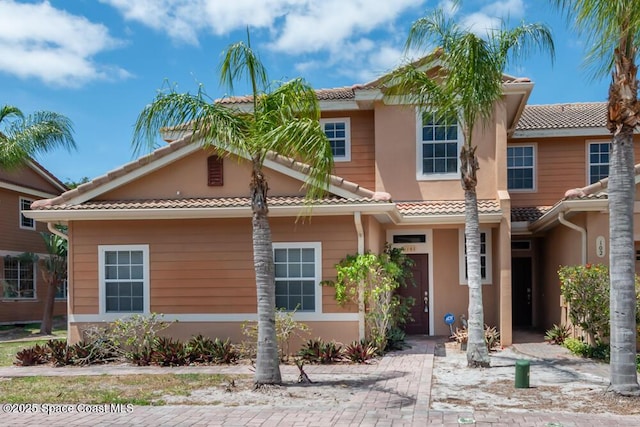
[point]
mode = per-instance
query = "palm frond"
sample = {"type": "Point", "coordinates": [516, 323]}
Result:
{"type": "Point", "coordinates": [186, 113]}
{"type": "Point", "coordinates": [241, 62]}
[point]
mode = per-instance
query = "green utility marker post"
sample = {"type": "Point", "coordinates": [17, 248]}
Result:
{"type": "Point", "coordinates": [522, 374]}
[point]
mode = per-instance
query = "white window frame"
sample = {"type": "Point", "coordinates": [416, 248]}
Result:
{"type": "Point", "coordinates": [534, 168]}
{"type": "Point", "coordinates": [347, 137]}
{"type": "Point", "coordinates": [420, 175]}
{"type": "Point", "coordinates": [102, 288]}
{"type": "Point", "coordinates": [488, 280]}
{"type": "Point", "coordinates": [35, 283]}
{"type": "Point", "coordinates": [588, 157]}
{"type": "Point", "coordinates": [22, 218]}
{"type": "Point", "coordinates": [317, 246]}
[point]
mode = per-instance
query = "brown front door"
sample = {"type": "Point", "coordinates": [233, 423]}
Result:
{"type": "Point", "coordinates": [420, 292]}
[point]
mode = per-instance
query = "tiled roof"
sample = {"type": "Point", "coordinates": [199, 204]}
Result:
{"type": "Point", "coordinates": [563, 116]}
{"type": "Point", "coordinates": [177, 145]}
{"type": "Point", "coordinates": [531, 213]}
{"type": "Point", "coordinates": [323, 95]}
{"type": "Point", "coordinates": [447, 207]}
{"type": "Point", "coordinates": [203, 203]}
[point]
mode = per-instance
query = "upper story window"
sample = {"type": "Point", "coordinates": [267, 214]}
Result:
{"type": "Point", "coordinates": [124, 278]}
{"type": "Point", "coordinates": [521, 167]}
{"type": "Point", "coordinates": [297, 274]}
{"type": "Point", "coordinates": [598, 159]}
{"type": "Point", "coordinates": [485, 256]}
{"type": "Point", "coordinates": [439, 140]}
{"type": "Point", "coordinates": [338, 132]}
{"type": "Point", "coordinates": [19, 278]}
{"type": "Point", "coordinates": [62, 291]}
{"type": "Point", "coordinates": [26, 223]}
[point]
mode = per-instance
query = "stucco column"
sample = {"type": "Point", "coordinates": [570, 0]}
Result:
{"type": "Point", "coordinates": [504, 250]}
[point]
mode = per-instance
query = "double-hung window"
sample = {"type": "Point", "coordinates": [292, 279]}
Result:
{"type": "Point", "coordinates": [297, 274]}
{"type": "Point", "coordinates": [338, 132]}
{"type": "Point", "coordinates": [124, 279]}
{"type": "Point", "coordinates": [26, 223]}
{"type": "Point", "coordinates": [598, 161]}
{"type": "Point", "coordinates": [521, 167]}
{"type": "Point", "coordinates": [439, 140]}
{"type": "Point", "coordinates": [19, 278]}
{"type": "Point", "coordinates": [485, 256]}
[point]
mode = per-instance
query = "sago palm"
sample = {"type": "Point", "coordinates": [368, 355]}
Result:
{"type": "Point", "coordinates": [462, 79]}
{"type": "Point", "coordinates": [284, 120]}
{"type": "Point", "coordinates": [23, 137]}
{"type": "Point", "coordinates": [612, 29]}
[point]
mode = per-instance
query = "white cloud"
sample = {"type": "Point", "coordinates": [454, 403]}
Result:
{"type": "Point", "coordinates": [39, 41]}
{"type": "Point", "coordinates": [505, 9]}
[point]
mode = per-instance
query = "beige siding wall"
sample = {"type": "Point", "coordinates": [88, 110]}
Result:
{"type": "Point", "coordinates": [27, 177]}
{"type": "Point", "coordinates": [15, 240]}
{"type": "Point", "coordinates": [202, 266]}
{"type": "Point", "coordinates": [361, 167]}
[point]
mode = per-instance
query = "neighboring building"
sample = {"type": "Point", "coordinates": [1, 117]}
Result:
{"type": "Point", "coordinates": [23, 287]}
{"type": "Point", "coordinates": [171, 232]}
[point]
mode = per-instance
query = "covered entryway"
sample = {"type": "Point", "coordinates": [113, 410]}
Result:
{"type": "Point", "coordinates": [420, 292]}
{"type": "Point", "coordinates": [521, 291]}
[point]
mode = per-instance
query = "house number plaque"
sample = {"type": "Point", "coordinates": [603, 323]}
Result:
{"type": "Point", "coordinates": [601, 249]}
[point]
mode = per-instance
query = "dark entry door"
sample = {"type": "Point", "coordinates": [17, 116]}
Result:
{"type": "Point", "coordinates": [420, 292]}
{"type": "Point", "coordinates": [521, 291]}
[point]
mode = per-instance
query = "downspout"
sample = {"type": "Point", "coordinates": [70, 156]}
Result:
{"type": "Point", "coordinates": [52, 228]}
{"type": "Point", "coordinates": [582, 231]}
{"type": "Point", "coordinates": [357, 218]}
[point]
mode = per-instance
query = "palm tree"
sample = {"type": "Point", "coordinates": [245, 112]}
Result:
{"type": "Point", "coordinates": [612, 29]}
{"type": "Point", "coordinates": [22, 137]}
{"type": "Point", "coordinates": [284, 120]}
{"type": "Point", "coordinates": [462, 82]}
{"type": "Point", "coordinates": [54, 272]}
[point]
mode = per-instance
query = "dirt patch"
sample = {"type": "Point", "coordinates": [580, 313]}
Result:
{"type": "Point", "coordinates": [559, 385]}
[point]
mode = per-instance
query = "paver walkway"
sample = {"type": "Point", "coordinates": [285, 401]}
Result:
{"type": "Point", "coordinates": [399, 396]}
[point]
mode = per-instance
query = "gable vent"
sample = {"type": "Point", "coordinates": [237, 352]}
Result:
{"type": "Point", "coordinates": [214, 171]}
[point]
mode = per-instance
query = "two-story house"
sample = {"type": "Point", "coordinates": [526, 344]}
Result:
{"type": "Point", "coordinates": [171, 232]}
{"type": "Point", "coordinates": [23, 289]}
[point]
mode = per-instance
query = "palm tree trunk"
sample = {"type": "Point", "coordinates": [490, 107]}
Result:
{"type": "Point", "coordinates": [621, 122]}
{"type": "Point", "coordinates": [267, 363]}
{"type": "Point", "coordinates": [47, 316]}
{"type": "Point", "coordinates": [477, 353]}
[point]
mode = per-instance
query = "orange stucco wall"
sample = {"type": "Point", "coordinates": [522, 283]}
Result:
{"type": "Point", "coordinates": [361, 167]}
{"type": "Point", "coordinates": [561, 164]}
{"type": "Point", "coordinates": [27, 177]}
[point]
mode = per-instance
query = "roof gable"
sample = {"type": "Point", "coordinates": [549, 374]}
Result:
{"type": "Point", "coordinates": [32, 179]}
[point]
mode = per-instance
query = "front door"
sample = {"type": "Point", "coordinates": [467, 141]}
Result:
{"type": "Point", "coordinates": [521, 292]}
{"type": "Point", "coordinates": [420, 292]}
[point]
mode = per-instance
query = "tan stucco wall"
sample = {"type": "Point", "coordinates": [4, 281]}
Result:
{"type": "Point", "coordinates": [396, 145]}
{"type": "Point", "coordinates": [187, 177]}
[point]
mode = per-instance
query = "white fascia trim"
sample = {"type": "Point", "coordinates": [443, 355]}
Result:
{"type": "Point", "coordinates": [495, 218]}
{"type": "Point", "coordinates": [597, 131]}
{"type": "Point", "coordinates": [151, 166]}
{"type": "Point", "coordinates": [567, 206]}
{"type": "Point", "coordinates": [368, 94]}
{"type": "Point", "coordinates": [339, 105]}
{"type": "Point", "coordinates": [194, 213]}
{"type": "Point", "coordinates": [25, 190]}
{"type": "Point", "coordinates": [211, 317]}
{"type": "Point", "coordinates": [520, 228]}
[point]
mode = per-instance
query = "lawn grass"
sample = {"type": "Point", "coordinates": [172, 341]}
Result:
{"type": "Point", "coordinates": [134, 389]}
{"type": "Point", "coordinates": [9, 349]}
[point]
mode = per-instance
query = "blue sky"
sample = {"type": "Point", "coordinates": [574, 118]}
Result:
{"type": "Point", "coordinates": [99, 62]}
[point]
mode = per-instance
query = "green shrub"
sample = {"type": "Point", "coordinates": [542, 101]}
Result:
{"type": "Point", "coordinates": [318, 351]}
{"type": "Point", "coordinates": [286, 328]}
{"type": "Point", "coordinates": [557, 334]}
{"type": "Point", "coordinates": [360, 352]}
{"type": "Point", "coordinates": [167, 352]}
{"type": "Point", "coordinates": [31, 356]}
{"type": "Point", "coordinates": [224, 352]}
{"type": "Point", "coordinates": [60, 353]}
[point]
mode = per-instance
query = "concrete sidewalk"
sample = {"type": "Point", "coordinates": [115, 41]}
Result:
{"type": "Point", "coordinates": [399, 396]}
